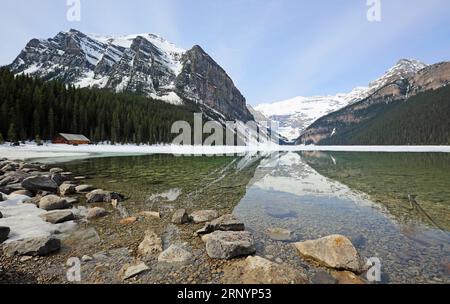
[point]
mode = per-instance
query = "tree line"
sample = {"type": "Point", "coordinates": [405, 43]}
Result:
{"type": "Point", "coordinates": [423, 119]}
{"type": "Point", "coordinates": [32, 109]}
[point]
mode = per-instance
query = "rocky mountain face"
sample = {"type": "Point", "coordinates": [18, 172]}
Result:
{"type": "Point", "coordinates": [145, 64]}
{"type": "Point", "coordinates": [297, 114]}
{"type": "Point", "coordinates": [407, 79]}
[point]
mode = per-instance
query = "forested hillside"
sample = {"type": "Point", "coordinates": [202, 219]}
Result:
{"type": "Point", "coordinates": [31, 108]}
{"type": "Point", "coordinates": [420, 120]}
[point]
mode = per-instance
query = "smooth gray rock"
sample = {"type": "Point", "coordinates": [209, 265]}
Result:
{"type": "Point", "coordinates": [202, 216]}
{"type": "Point", "coordinates": [40, 183]}
{"type": "Point", "coordinates": [102, 196]}
{"type": "Point", "coordinates": [229, 244]}
{"type": "Point", "coordinates": [58, 216]}
{"type": "Point", "coordinates": [35, 246]}
{"type": "Point", "coordinates": [180, 217]}
{"type": "Point", "coordinates": [53, 202]}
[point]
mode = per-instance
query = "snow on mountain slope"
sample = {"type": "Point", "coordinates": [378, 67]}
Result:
{"type": "Point", "coordinates": [296, 114]}
{"type": "Point", "coordinates": [146, 64]}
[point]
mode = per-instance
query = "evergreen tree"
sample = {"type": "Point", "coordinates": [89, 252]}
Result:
{"type": "Point", "coordinates": [12, 134]}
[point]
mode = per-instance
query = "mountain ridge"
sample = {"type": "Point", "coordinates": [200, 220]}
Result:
{"type": "Point", "coordinates": [295, 115]}
{"type": "Point", "coordinates": [140, 63]}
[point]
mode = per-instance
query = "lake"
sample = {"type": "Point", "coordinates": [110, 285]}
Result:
{"type": "Point", "coordinates": [393, 206]}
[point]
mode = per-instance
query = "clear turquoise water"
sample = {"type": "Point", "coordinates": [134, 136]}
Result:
{"type": "Point", "coordinates": [361, 195]}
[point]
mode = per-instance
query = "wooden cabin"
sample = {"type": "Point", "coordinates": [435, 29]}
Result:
{"type": "Point", "coordinates": [71, 139]}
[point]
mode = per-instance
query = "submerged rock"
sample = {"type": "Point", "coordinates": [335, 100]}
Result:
{"type": "Point", "coordinates": [175, 254]}
{"type": "Point", "coordinates": [229, 244]}
{"type": "Point", "coordinates": [203, 216]}
{"type": "Point", "coordinates": [180, 217]}
{"type": "Point", "coordinates": [151, 245]}
{"type": "Point", "coordinates": [53, 202]}
{"type": "Point", "coordinates": [58, 216]}
{"type": "Point", "coordinates": [39, 183]}
{"type": "Point", "coordinates": [35, 246]}
{"type": "Point", "coordinates": [102, 196]}
{"type": "Point", "coordinates": [335, 251]}
{"type": "Point", "coordinates": [4, 232]}
{"type": "Point", "coordinates": [279, 234]}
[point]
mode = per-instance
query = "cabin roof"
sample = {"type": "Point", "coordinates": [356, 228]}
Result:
{"type": "Point", "coordinates": [74, 137]}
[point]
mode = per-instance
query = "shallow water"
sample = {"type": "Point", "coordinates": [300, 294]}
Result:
{"type": "Point", "coordinates": [361, 195]}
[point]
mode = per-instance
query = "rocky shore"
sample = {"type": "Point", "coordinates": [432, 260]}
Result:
{"type": "Point", "coordinates": [49, 215]}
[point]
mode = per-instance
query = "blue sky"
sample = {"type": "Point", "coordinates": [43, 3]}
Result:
{"type": "Point", "coordinates": [273, 49]}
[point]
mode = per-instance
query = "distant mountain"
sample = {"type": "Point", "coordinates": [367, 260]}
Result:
{"type": "Point", "coordinates": [297, 114]}
{"type": "Point", "coordinates": [398, 98]}
{"type": "Point", "coordinates": [144, 64]}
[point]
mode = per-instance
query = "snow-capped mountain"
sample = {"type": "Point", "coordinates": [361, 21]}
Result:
{"type": "Point", "coordinates": [296, 114]}
{"type": "Point", "coordinates": [145, 64]}
{"type": "Point", "coordinates": [400, 84]}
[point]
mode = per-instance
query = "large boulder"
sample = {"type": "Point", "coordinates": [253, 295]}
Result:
{"type": "Point", "coordinates": [1, 215]}
{"type": "Point", "coordinates": [175, 255]}
{"type": "Point", "coordinates": [53, 202]}
{"type": "Point", "coordinates": [202, 216]}
{"type": "Point", "coordinates": [58, 216]}
{"type": "Point", "coordinates": [229, 244]}
{"type": "Point", "coordinates": [4, 232]}
{"type": "Point", "coordinates": [35, 246]}
{"type": "Point", "coordinates": [335, 251]}
{"type": "Point", "coordinates": [227, 222]}
{"type": "Point", "coordinates": [257, 270]}
{"type": "Point", "coordinates": [102, 196]}
{"type": "Point", "coordinates": [40, 183]}
{"type": "Point", "coordinates": [66, 189]}
{"type": "Point", "coordinates": [180, 217]}
{"type": "Point", "coordinates": [96, 212]}
{"type": "Point", "coordinates": [151, 245]}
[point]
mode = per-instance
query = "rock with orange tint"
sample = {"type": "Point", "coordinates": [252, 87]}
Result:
{"type": "Point", "coordinates": [335, 251]}
{"type": "Point", "coordinates": [128, 220]}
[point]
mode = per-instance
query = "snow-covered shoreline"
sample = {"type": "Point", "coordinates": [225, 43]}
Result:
{"type": "Point", "coordinates": [59, 153]}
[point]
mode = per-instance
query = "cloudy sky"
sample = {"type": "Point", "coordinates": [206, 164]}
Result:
{"type": "Point", "coordinates": [273, 49]}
